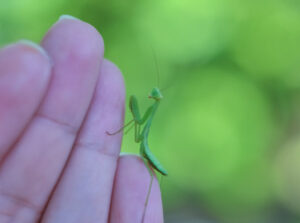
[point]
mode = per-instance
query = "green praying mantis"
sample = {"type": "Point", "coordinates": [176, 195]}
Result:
{"type": "Point", "coordinates": [142, 137]}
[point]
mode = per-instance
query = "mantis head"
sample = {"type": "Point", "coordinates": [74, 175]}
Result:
{"type": "Point", "coordinates": [155, 94]}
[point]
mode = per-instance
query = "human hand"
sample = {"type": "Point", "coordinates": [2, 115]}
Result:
{"type": "Point", "coordinates": [57, 164]}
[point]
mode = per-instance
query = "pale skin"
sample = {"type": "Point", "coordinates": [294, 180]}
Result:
{"type": "Point", "coordinates": [57, 164]}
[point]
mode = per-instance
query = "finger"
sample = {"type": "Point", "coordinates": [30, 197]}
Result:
{"type": "Point", "coordinates": [24, 76]}
{"type": "Point", "coordinates": [130, 192]}
{"type": "Point", "coordinates": [84, 192]}
{"type": "Point", "coordinates": [30, 172]}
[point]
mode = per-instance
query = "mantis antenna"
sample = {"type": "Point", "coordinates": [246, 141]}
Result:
{"type": "Point", "coordinates": [156, 67]}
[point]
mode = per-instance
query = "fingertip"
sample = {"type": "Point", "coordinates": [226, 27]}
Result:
{"type": "Point", "coordinates": [71, 33]}
{"type": "Point", "coordinates": [134, 170]}
{"type": "Point", "coordinates": [32, 45]}
{"type": "Point", "coordinates": [115, 77]}
{"type": "Point", "coordinates": [110, 95]}
{"type": "Point", "coordinates": [27, 58]}
{"type": "Point", "coordinates": [25, 71]}
{"type": "Point", "coordinates": [67, 17]}
{"type": "Point", "coordinates": [131, 187]}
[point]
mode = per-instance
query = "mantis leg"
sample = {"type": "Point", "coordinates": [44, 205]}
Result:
{"type": "Point", "coordinates": [149, 189]}
{"type": "Point", "coordinates": [128, 129]}
{"type": "Point", "coordinates": [137, 130]}
{"type": "Point", "coordinates": [114, 133]}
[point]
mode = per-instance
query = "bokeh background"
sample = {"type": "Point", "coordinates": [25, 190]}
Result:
{"type": "Point", "coordinates": [228, 129]}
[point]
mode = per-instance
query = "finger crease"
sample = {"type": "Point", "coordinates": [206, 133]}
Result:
{"type": "Point", "coordinates": [19, 202]}
{"type": "Point", "coordinates": [94, 147]}
{"type": "Point", "coordinates": [66, 126]}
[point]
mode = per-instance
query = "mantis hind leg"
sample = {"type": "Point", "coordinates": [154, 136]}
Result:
{"type": "Point", "coordinates": [149, 189]}
{"type": "Point", "coordinates": [128, 130]}
{"type": "Point", "coordinates": [118, 131]}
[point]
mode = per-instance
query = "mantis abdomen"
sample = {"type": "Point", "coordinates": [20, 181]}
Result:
{"type": "Point", "coordinates": [145, 152]}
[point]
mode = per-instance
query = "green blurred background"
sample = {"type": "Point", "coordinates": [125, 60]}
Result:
{"type": "Point", "coordinates": [228, 127]}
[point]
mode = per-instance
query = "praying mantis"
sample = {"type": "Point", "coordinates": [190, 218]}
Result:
{"type": "Point", "coordinates": [142, 137]}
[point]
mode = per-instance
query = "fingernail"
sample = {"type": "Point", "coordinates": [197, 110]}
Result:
{"type": "Point", "coordinates": [67, 17]}
{"type": "Point", "coordinates": [126, 154]}
{"type": "Point", "coordinates": [35, 46]}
